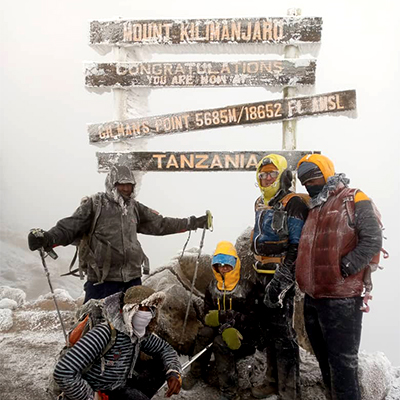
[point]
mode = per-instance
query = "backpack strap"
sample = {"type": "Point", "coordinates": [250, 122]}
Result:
{"type": "Point", "coordinates": [109, 345]}
{"type": "Point", "coordinates": [305, 197]}
{"type": "Point", "coordinates": [350, 205]}
{"type": "Point", "coordinates": [96, 205]}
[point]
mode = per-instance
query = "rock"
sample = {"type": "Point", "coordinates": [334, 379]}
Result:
{"type": "Point", "coordinates": [14, 294]}
{"type": "Point", "coordinates": [172, 314]}
{"type": "Point", "coordinates": [8, 303]}
{"type": "Point", "coordinates": [375, 375]}
{"type": "Point", "coordinates": [46, 302]}
{"type": "Point", "coordinates": [6, 319]}
{"type": "Point", "coordinates": [185, 268]}
{"type": "Point", "coordinates": [394, 392]}
{"type": "Point", "coordinates": [299, 326]}
{"type": "Point", "coordinates": [243, 248]}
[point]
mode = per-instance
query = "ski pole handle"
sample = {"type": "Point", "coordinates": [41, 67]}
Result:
{"type": "Point", "coordinates": [209, 226]}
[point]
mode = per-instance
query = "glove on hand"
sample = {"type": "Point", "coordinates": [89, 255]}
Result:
{"type": "Point", "coordinates": [232, 337]}
{"type": "Point", "coordinates": [283, 280]}
{"type": "Point", "coordinates": [198, 222]}
{"type": "Point", "coordinates": [212, 318]}
{"type": "Point", "coordinates": [38, 238]}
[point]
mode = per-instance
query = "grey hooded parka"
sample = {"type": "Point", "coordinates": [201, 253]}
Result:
{"type": "Point", "coordinates": [111, 224]}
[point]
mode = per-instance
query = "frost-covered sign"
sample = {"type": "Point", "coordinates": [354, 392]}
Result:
{"type": "Point", "coordinates": [243, 114]}
{"type": "Point", "coordinates": [200, 73]}
{"type": "Point", "coordinates": [192, 31]}
{"type": "Point", "coordinates": [193, 161]}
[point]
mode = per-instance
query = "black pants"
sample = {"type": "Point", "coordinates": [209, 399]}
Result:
{"type": "Point", "coordinates": [334, 329]}
{"type": "Point", "coordinates": [225, 359]}
{"type": "Point", "coordinates": [278, 338]}
{"type": "Point", "coordinates": [94, 290]}
{"type": "Point", "coordinates": [126, 394]}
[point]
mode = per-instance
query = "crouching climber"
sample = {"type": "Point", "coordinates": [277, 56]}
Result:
{"type": "Point", "coordinates": [85, 372]}
{"type": "Point", "coordinates": [228, 308]}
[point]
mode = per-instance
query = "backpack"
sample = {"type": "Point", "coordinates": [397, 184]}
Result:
{"type": "Point", "coordinates": [83, 251]}
{"type": "Point", "coordinates": [374, 263]}
{"type": "Point", "coordinates": [88, 316]}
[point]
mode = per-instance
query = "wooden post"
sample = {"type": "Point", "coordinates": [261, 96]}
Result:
{"type": "Point", "coordinates": [289, 127]}
{"type": "Point", "coordinates": [120, 97]}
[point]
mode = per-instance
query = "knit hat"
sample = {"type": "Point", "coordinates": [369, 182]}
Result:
{"type": "Point", "coordinates": [308, 171]}
{"type": "Point", "coordinates": [136, 294]}
{"type": "Point", "coordinates": [268, 168]}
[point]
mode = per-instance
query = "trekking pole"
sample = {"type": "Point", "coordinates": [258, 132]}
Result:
{"type": "Point", "coordinates": [207, 225]}
{"type": "Point", "coordinates": [184, 366]}
{"type": "Point", "coordinates": [43, 255]}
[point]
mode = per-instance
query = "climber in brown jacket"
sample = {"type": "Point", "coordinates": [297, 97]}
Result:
{"type": "Point", "coordinates": [333, 254]}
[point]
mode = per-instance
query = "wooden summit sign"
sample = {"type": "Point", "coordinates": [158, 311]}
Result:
{"type": "Point", "coordinates": [191, 31]}
{"type": "Point", "coordinates": [203, 73]}
{"type": "Point", "coordinates": [243, 114]}
{"type": "Point", "coordinates": [193, 161]}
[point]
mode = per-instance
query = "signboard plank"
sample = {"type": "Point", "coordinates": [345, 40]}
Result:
{"type": "Point", "coordinates": [207, 161]}
{"type": "Point", "coordinates": [243, 114]}
{"type": "Point", "coordinates": [293, 30]}
{"type": "Point", "coordinates": [200, 73]}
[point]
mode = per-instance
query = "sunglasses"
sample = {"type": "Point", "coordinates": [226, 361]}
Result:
{"type": "Point", "coordinates": [271, 174]}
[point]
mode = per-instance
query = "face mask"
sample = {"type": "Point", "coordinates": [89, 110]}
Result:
{"type": "Point", "coordinates": [314, 190]}
{"type": "Point", "coordinates": [140, 321]}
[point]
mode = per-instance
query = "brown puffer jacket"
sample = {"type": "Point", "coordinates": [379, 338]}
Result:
{"type": "Point", "coordinates": [328, 239]}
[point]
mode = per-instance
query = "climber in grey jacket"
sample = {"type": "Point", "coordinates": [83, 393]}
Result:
{"type": "Point", "coordinates": [109, 223]}
{"type": "Point", "coordinates": [83, 374]}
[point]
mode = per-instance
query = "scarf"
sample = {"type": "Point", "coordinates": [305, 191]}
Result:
{"type": "Point", "coordinates": [330, 186]}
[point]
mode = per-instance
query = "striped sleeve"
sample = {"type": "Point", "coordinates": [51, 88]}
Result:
{"type": "Point", "coordinates": [68, 371]}
{"type": "Point", "coordinates": [154, 345]}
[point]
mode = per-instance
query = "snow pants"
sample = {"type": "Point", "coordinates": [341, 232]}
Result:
{"type": "Point", "coordinates": [334, 329]}
{"type": "Point", "coordinates": [225, 359]}
{"type": "Point", "coordinates": [278, 338]}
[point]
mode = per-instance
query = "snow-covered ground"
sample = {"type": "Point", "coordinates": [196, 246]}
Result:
{"type": "Point", "coordinates": [31, 337]}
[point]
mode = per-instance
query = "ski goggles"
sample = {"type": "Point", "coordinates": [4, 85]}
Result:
{"type": "Point", "coordinates": [270, 174]}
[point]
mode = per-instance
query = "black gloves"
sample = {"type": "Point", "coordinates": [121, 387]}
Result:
{"type": "Point", "coordinates": [38, 238]}
{"type": "Point", "coordinates": [198, 222]}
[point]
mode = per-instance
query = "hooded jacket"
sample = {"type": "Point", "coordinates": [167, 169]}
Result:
{"type": "Point", "coordinates": [232, 296]}
{"type": "Point", "coordinates": [331, 241]}
{"type": "Point", "coordinates": [111, 371]}
{"type": "Point", "coordinates": [113, 224]}
{"type": "Point", "coordinates": [279, 216]}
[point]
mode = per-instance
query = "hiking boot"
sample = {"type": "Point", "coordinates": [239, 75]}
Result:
{"type": "Point", "coordinates": [189, 381]}
{"type": "Point", "coordinates": [263, 391]}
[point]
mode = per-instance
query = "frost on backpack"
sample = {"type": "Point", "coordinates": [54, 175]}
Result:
{"type": "Point", "coordinates": [83, 253]}
{"type": "Point", "coordinates": [374, 263]}
{"type": "Point", "coordinates": [87, 316]}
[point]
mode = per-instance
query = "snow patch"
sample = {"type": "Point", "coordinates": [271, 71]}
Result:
{"type": "Point", "coordinates": [6, 320]}
{"type": "Point", "coordinates": [60, 294]}
{"type": "Point", "coordinates": [8, 304]}
{"type": "Point", "coordinates": [18, 295]}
